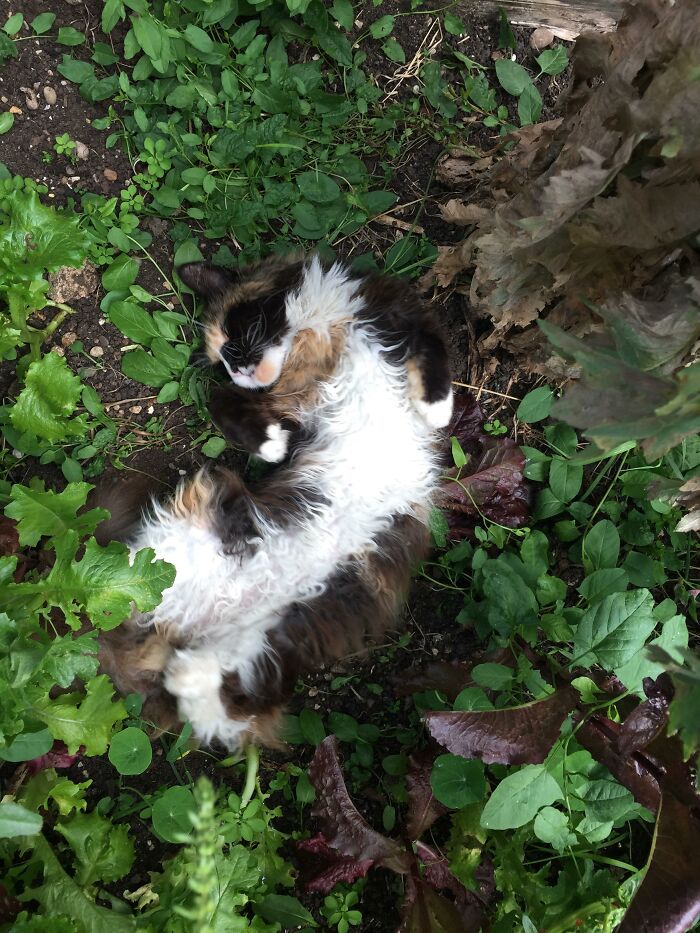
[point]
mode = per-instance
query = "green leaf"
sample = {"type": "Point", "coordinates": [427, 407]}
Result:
{"type": "Point", "coordinates": [343, 13]}
{"type": "Point", "coordinates": [43, 22]}
{"type": "Point", "coordinates": [130, 751]}
{"type": "Point", "coordinates": [144, 367]}
{"type": "Point", "coordinates": [27, 746]}
{"type": "Point", "coordinates": [103, 852]}
{"type": "Point", "coordinates": [311, 726]}
{"type": "Point", "coordinates": [48, 399]}
{"type": "Point", "coordinates": [69, 36]}
{"type": "Point", "coordinates": [519, 797]}
{"type": "Point", "coordinates": [59, 896]}
{"type": "Point", "coordinates": [88, 721]}
{"type": "Point", "coordinates": [536, 405]}
{"type": "Point", "coordinates": [601, 546]}
{"type": "Point", "coordinates": [610, 632]}
{"type": "Point", "coordinates": [381, 28]}
{"type": "Point", "coordinates": [14, 24]}
{"type": "Point", "coordinates": [553, 61]}
{"type": "Point", "coordinates": [565, 479]}
{"type": "Point", "coordinates": [168, 393]}
{"type": "Point", "coordinates": [121, 273]}
{"type": "Point", "coordinates": [602, 583]}
{"type": "Point", "coordinates": [552, 826]}
{"type": "Point", "coordinates": [15, 820]}
{"type": "Point", "coordinates": [134, 322]}
{"type": "Point", "coordinates": [394, 51]}
{"type": "Point", "coordinates": [7, 121]}
{"type": "Point", "coordinates": [506, 37]}
{"type": "Point", "coordinates": [45, 513]}
{"type": "Point", "coordinates": [529, 105]}
{"type": "Point", "coordinates": [454, 25]}
{"type": "Point", "coordinates": [512, 77]}
{"type": "Point", "coordinates": [336, 46]}
{"type": "Point", "coordinates": [285, 910]}
{"type": "Point", "coordinates": [112, 12]}
{"type": "Point", "coordinates": [214, 447]}
{"type": "Point", "coordinates": [198, 38]}
{"type": "Point", "coordinates": [38, 238]}
{"type": "Point", "coordinates": [458, 455]}
{"type": "Point", "coordinates": [318, 188]}
{"type": "Point", "coordinates": [172, 812]}
{"type": "Point", "coordinates": [456, 782]}
{"type": "Point", "coordinates": [75, 70]}
{"type": "Point", "coordinates": [492, 676]}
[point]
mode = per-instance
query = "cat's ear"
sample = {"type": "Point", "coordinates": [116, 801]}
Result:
{"type": "Point", "coordinates": [204, 279]}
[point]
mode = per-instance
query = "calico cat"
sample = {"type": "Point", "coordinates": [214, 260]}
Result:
{"type": "Point", "coordinates": [342, 381]}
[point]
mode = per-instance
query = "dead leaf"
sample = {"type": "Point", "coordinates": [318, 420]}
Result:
{"type": "Point", "coordinates": [457, 212]}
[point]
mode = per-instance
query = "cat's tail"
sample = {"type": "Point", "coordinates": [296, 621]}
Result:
{"type": "Point", "coordinates": [126, 500]}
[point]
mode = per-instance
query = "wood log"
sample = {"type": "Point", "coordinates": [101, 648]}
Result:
{"type": "Point", "coordinates": [566, 18]}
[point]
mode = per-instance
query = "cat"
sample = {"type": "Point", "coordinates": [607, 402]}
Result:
{"type": "Point", "coordinates": [342, 381]}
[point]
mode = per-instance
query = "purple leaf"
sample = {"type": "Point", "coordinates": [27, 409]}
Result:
{"type": "Point", "coordinates": [648, 720]}
{"type": "Point", "coordinates": [58, 757]}
{"type": "Point", "coordinates": [322, 868]}
{"type": "Point", "coordinates": [467, 423]}
{"type": "Point", "coordinates": [423, 808]}
{"type": "Point", "coordinates": [668, 900]}
{"type": "Point", "coordinates": [520, 735]}
{"type": "Point", "coordinates": [343, 828]}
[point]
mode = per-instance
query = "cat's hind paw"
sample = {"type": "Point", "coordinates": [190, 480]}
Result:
{"type": "Point", "coordinates": [435, 414]}
{"type": "Point", "coordinates": [274, 449]}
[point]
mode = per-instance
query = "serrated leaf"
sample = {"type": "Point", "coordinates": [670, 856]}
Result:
{"type": "Point", "coordinates": [610, 632]}
{"type": "Point", "coordinates": [83, 721]}
{"type": "Point", "coordinates": [102, 852]}
{"type": "Point", "coordinates": [45, 513]}
{"type": "Point", "coordinates": [48, 399]}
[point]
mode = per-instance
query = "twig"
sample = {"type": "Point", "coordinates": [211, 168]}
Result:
{"type": "Point", "coordinates": [479, 389]}
{"type": "Point", "coordinates": [398, 224]}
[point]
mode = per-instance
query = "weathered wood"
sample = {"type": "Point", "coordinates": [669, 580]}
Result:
{"type": "Point", "coordinates": [566, 18]}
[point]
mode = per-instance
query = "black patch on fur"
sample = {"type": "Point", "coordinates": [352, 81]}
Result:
{"type": "Point", "coordinates": [407, 328]}
{"type": "Point", "coordinates": [205, 279]}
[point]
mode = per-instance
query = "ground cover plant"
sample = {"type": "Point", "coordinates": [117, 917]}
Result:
{"type": "Point", "coordinates": [523, 755]}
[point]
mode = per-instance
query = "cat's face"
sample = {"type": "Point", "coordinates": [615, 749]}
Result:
{"type": "Point", "coordinates": [247, 328]}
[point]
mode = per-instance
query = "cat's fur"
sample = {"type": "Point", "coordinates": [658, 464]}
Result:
{"type": "Point", "coordinates": [275, 580]}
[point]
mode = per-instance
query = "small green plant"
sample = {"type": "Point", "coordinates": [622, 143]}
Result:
{"type": "Point", "coordinates": [339, 908]}
{"type": "Point", "coordinates": [495, 428]}
{"type": "Point", "coordinates": [64, 145]}
{"type": "Point", "coordinates": [47, 157]}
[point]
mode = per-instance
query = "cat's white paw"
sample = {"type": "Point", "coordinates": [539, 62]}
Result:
{"type": "Point", "coordinates": [274, 449]}
{"type": "Point", "coordinates": [436, 414]}
{"type": "Point", "coordinates": [192, 674]}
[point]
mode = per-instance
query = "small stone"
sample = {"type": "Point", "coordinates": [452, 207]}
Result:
{"type": "Point", "coordinates": [136, 409]}
{"type": "Point", "coordinates": [313, 691]}
{"type": "Point", "coordinates": [59, 351]}
{"type": "Point", "coordinates": [81, 150]}
{"type": "Point", "coordinates": [69, 339]}
{"type": "Point", "coordinates": [541, 38]}
{"type": "Point", "coordinates": [96, 352]}
{"type": "Point", "coordinates": [110, 174]}
{"type": "Point", "coordinates": [31, 100]}
{"type": "Point", "coordinates": [150, 409]}
{"type": "Point", "coordinates": [182, 472]}
{"type": "Point", "coordinates": [14, 109]}
{"type": "Point", "coordinates": [49, 96]}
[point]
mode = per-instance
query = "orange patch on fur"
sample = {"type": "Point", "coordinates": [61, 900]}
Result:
{"type": "Point", "coordinates": [265, 372]}
{"type": "Point", "coordinates": [192, 499]}
{"type": "Point", "coordinates": [214, 340]}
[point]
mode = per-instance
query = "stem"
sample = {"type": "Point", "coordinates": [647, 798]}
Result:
{"type": "Point", "coordinates": [252, 759]}
{"type": "Point", "coordinates": [63, 312]}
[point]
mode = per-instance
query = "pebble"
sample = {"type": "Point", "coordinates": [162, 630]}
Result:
{"type": "Point", "coordinates": [81, 150]}
{"type": "Point", "coordinates": [14, 109]}
{"type": "Point", "coordinates": [49, 95]}
{"type": "Point", "coordinates": [150, 409]}
{"type": "Point", "coordinates": [69, 338]}
{"type": "Point", "coordinates": [541, 38]}
{"type": "Point", "coordinates": [31, 99]}
{"type": "Point", "coordinates": [59, 351]}
{"type": "Point", "coordinates": [182, 472]}
{"type": "Point", "coordinates": [96, 352]}
{"type": "Point", "coordinates": [110, 174]}
{"type": "Point", "coordinates": [136, 409]}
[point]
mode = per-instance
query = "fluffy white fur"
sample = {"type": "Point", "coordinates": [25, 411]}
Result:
{"type": "Point", "coordinates": [274, 448]}
{"type": "Point", "coordinates": [373, 457]}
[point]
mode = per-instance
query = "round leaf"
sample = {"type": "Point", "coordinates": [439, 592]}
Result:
{"type": "Point", "coordinates": [130, 751]}
{"type": "Point", "coordinates": [457, 781]}
{"type": "Point", "coordinates": [171, 814]}
{"type": "Point", "coordinates": [7, 120]}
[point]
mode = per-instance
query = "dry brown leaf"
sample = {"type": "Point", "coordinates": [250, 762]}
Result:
{"type": "Point", "coordinates": [68, 284]}
{"type": "Point", "coordinates": [461, 214]}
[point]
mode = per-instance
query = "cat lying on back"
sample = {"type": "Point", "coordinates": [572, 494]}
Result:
{"type": "Point", "coordinates": [343, 381]}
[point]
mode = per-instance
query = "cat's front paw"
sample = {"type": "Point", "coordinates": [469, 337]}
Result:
{"type": "Point", "coordinates": [435, 414]}
{"type": "Point", "coordinates": [274, 449]}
